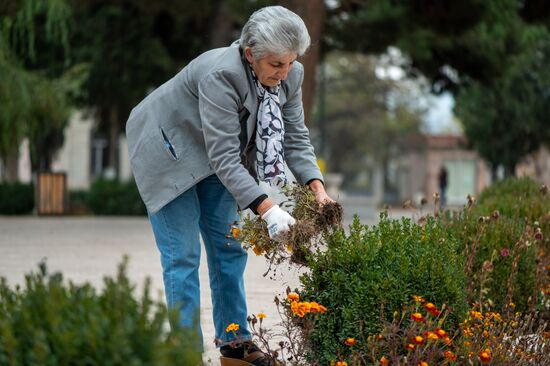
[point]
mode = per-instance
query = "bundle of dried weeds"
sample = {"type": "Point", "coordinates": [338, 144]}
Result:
{"type": "Point", "coordinates": [313, 221]}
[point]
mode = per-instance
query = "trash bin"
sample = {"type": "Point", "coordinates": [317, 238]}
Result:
{"type": "Point", "coordinates": [51, 194]}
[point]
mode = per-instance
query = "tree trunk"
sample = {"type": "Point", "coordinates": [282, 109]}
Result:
{"type": "Point", "coordinates": [313, 13]}
{"type": "Point", "coordinates": [223, 33]}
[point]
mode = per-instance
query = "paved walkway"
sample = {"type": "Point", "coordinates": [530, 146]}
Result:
{"type": "Point", "coordinates": [85, 249]}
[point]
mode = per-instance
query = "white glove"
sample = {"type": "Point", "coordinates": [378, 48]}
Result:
{"type": "Point", "coordinates": [278, 221]}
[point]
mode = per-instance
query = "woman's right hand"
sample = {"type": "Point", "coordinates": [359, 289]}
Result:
{"type": "Point", "coordinates": [278, 221]}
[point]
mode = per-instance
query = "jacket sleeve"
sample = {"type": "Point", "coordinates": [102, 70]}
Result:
{"type": "Point", "coordinates": [219, 103]}
{"type": "Point", "coordinates": [299, 154]}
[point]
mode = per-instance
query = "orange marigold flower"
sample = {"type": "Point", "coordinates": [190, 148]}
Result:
{"type": "Point", "coordinates": [418, 298]}
{"type": "Point", "coordinates": [384, 361]}
{"type": "Point", "coordinates": [410, 346]}
{"type": "Point", "coordinates": [322, 309]}
{"type": "Point", "coordinates": [476, 315]}
{"type": "Point", "coordinates": [305, 306]}
{"type": "Point", "coordinates": [314, 307]}
{"type": "Point", "coordinates": [485, 355]}
{"type": "Point", "coordinates": [257, 250]}
{"type": "Point", "coordinates": [431, 308]}
{"type": "Point", "coordinates": [546, 335]}
{"type": "Point", "coordinates": [467, 344]}
{"type": "Point", "coordinates": [448, 341]}
{"type": "Point", "coordinates": [422, 363]}
{"type": "Point", "coordinates": [441, 333]}
{"type": "Point", "coordinates": [232, 327]}
{"type": "Point", "coordinates": [293, 296]}
{"type": "Point", "coordinates": [417, 317]}
{"type": "Point", "coordinates": [235, 232]}
{"type": "Point", "coordinates": [486, 334]}
{"type": "Point", "coordinates": [450, 356]}
{"type": "Point", "coordinates": [418, 340]}
{"type": "Point", "coordinates": [350, 341]}
{"type": "Point", "coordinates": [468, 332]}
{"type": "Point", "coordinates": [261, 315]}
{"type": "Point", "coordinates": [341, 363]}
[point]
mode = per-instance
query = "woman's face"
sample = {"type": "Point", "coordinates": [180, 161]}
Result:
{"type": "Point", "coordinates": [271, 69]}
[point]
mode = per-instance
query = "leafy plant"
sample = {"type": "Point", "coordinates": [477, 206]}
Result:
{"type": "Point", "coordinates": [48, 322]}
{"type": "Point", "coordinates": [113, 197]}
{"type": "Point", "coordinates": [16, 198]}
{"type": "Point", "coordinates": [365, 276]}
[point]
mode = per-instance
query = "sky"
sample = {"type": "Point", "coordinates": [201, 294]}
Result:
{"type": "Point", "coordinates": [439, 118]}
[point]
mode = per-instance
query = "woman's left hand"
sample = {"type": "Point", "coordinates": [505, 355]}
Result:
{"type": "Point", "coordinates": [321, 195]}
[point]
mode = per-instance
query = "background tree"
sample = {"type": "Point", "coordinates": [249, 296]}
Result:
{"type": "Point", "coordinates": [509, 119]}
{"type": "Point", "coordinates": [478, 50]}
{"type": "Point", "coordinates": [361, 116]}
{"type": "Point", "coordinates": [33, 105]}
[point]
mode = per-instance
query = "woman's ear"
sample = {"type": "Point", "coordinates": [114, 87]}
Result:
{"type": "Point", "coordinates": [248, 54]}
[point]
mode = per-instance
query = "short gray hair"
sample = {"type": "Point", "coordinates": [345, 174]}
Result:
{"type": "Point", "coordinates": [275, 30]}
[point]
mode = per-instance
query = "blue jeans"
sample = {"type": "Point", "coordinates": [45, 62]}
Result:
{"type": "Point", "coordinates": [209, 209]}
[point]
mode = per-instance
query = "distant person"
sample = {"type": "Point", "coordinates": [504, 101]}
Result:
{"type": "Point", "coordinates": [443, 185]}
{"type": "Point", "coordinates": [200, 144]}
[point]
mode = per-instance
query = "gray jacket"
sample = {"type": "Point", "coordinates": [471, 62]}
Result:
{"type": "Point", "coordinates": [200, 122]}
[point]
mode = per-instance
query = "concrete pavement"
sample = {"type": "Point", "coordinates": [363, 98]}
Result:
{"type": "Point", "coordinates": [85, 249]}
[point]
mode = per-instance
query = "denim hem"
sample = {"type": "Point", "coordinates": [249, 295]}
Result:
{"type": "Point", "coordinates": [235, 340]}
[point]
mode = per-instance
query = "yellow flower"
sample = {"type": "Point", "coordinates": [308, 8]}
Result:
{"type": "Point", "coordinates": [232, 327]}
{"type": "Point", "coordinates": [341, 363]}
{"type": "Point", "coordinates": [293, 296]}
{"type": "Point", "coordinates": [350, 341]}
{"type": "Point", "coordinates": [418, 340]}
{"type": "Point", "coordinates": [261, 316]}
{"type": "Point", "coordinates": [235, 231]}
{"type": "Point", "coordinates": [410, 346]}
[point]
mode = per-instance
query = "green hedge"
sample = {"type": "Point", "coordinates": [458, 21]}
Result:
{"type": "Point", "coordinates": [112, 197]}
{"type": "Point", "coordinates": [50, 323]}
{"type": "Point", "coordinates": [520, 204]}
{"type": "Point", "coordinates": [373, 272]}
{"type": "Point", "coordinates": [16, 198]}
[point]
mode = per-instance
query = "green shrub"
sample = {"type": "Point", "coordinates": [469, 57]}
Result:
{"type": "Point", "coordinates": [78, 202]}
{"type": "Point", "coordinates": [16, 198]}
{"type": "Point", "coordinates": [500, 227]}
{"type": "Point", "coordinates": [112, 197]}
{"type": "Point", "coordinates": [371, 272]}
{"type": "Point", "coordinates": [49, 323]}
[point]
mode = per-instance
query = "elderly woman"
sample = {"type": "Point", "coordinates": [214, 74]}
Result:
{"type": "Point", "coordinates": [199, 145]}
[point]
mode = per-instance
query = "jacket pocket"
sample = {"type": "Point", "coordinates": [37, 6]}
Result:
{"type": "Point", "coordinates": [169, 148]}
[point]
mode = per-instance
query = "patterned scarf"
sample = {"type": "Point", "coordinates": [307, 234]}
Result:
{"type": "Point", "coordinates": [270, 131]}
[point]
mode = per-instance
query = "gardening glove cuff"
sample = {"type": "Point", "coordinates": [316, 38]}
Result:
{"type": "Point", "coordinates": [278, 221]}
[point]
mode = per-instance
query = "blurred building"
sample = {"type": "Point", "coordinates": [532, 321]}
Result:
{"type": "Point", "coordinates": [422, 158]}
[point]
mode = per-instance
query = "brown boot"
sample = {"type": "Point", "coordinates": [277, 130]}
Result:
{"type": "Point", "coordinates": [245, 354]}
